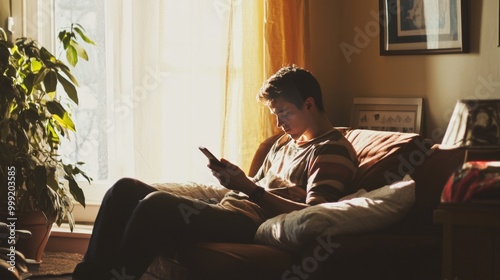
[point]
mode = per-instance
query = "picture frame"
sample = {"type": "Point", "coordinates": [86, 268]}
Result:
{"type": "Point", "coordinates": [406, 28]}
{"type": "Point", "coordinates": [388, 114]}
{"type": "Point", "coordinates": [482, 123]}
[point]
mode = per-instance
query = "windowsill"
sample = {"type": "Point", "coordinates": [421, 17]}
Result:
{"type": "Point", "coordinates": [79, 231]}
{"type": "Point", "coordinates": [63, 240]}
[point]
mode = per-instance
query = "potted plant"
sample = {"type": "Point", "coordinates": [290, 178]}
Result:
{"type": "Point", "coordinates": [34, 116]}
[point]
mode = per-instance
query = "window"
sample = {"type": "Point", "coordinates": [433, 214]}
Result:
{"type": "Point", "coordinates": [153, 88]}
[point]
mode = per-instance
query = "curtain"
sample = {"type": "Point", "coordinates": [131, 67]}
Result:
{"type": "Point", "coordinates": [286, 39]}
{"type": "Point", "coordinates": [186, 74]}
{"type": "Point", "coordinates": [286, 34]}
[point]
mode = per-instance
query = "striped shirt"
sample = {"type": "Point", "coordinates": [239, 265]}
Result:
{"type": "Point", "coordinates": [319, 170]}
{"type": "Point", "coordinates": [316, 171]}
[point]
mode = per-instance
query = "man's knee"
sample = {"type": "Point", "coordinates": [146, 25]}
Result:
{"type": "Point", "coordinates": [171, 206]}
{"type": "Point", "coordinates": [162, 199]}
{"type": "Point", "coordinates": [128, 188]}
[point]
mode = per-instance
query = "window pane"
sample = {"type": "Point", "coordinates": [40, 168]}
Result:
{"type": "Point", "coordinates": [90, 145]}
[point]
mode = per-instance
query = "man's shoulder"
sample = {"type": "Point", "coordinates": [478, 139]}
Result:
{"type": "Point", "coordinates": [335, 137]}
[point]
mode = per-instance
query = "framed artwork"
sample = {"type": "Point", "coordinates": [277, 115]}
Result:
{"type": "Point", "coordinates": [423, 26]}
{"type": "Point", "coordinates": [388, 114]}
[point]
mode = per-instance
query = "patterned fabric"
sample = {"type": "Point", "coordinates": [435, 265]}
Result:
{"type": "Point", "coordinates": [317, 171]}
{"type": "Point", "coordinates": [474, 181]}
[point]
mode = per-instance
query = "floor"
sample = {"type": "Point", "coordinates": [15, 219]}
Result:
{"type": "Point", "coordinates": [67, 277]}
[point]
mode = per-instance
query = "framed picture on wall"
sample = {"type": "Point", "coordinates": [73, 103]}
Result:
{"type": "Point", "coordinates": [388, 114]}
{"type": "Point", "coordinates": [423, 26]}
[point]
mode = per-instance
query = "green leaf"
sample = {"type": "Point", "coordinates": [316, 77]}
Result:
{"type": "Point", "coordinates": [71, 55]}
{"type": "Point", "coordinates": [69, 88]}
{"type": "Point", "coordinates": [71, 221]}
{"type": "Point", "coordinates": [77, 170]}
{"type": "Point", "coordinates": [65, 121]}
{"type": "Point", "coordinates": [53, 137]}
{"type": "Point", "coordinates": [67, 71]}
{"type": "Point", "coordinates": [35, 65]}
{"type": "Point", "coordinates": [52, 180]}
{"type": "Point", "coordinates": [56, 108]}
{"type": "Point", "coordinates": [41, 76]}
{"type": "Point", "coordinates": [50, 81]}
{"type": "Point", "coordinates": [74, 189]}
{"type": "Point", "coordinates": [47, 56]}
{"type": "Point", "coordinates": [61, 35]}
{"type": "Point", "coordinates": [80, 32]}
{"type": "Point", "coordinates": [66, 39]}
{"type": "Point", "coordinates": [79, 50]}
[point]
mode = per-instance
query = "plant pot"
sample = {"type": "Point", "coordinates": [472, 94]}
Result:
{"type": "Point", "coordinates": [34, 246]}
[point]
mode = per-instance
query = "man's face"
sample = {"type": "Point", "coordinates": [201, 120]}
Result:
{"type": "Point", "coordinates": [289, 118]}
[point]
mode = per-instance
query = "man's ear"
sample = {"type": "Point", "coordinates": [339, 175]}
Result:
{"type": "Point", "coordinates": [309, 103]}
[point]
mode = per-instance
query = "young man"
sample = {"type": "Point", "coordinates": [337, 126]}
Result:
{"type": "Point", "coordinates": [311, 163]}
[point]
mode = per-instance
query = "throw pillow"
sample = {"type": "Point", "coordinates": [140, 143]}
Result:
{"type": "Point", "coordinates": [357, 213]}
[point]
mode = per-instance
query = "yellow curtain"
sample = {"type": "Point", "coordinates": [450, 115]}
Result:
{"type": "Point", "coordinates": [275, 34]}
{"type": "Point", "coordinates": [286, 34]}
{"type": "Point", "coordinates": [242, 125]}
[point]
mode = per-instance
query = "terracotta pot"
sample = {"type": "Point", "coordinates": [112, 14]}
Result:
{"type": "Point", "coordinates": [40, 228]}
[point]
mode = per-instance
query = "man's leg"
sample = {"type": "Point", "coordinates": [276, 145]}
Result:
{"type": "Point", "coordinates": [116, 208]}
{"type": "Point", "coordinates": [162, 221]}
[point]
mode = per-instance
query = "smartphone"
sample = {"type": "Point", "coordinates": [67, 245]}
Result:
{"type": "Point", "coordinates": [211, 157]}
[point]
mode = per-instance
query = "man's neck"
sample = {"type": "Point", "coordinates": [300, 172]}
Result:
{"type": "Point", "coordinates": [320, 127]}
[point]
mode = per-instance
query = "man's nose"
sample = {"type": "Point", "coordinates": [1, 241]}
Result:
{"type": "Point", "coordinates": [279, 122]}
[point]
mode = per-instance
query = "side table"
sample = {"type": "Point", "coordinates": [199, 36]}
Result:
{"type": "Point", "coordinates": [471, 240]}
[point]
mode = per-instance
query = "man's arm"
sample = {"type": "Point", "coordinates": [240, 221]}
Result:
{"type": "Point", "coordinates": [232, 177]}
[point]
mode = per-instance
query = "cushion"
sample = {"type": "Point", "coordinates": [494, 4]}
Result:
{"type": "Point", "coordinates": [385, 157]}
{"type": "Point", "coordinates": [356, 213]}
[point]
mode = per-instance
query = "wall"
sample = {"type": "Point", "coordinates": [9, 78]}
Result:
{"type": "Point", "coordinates": [325, 23]}
{"type": "Point", "coordinates": [439, 79]}
{"type": "Point", "coordinates": [17, 9]}
{"type": "Point", "coordinates": [4, 13]}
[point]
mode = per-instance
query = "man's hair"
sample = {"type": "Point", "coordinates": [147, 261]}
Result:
{"type": "Point", "coordinates": [294, 85]}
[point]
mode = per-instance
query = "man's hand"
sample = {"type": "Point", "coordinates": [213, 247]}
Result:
{"type": "Point", "coordinates": [232, 177]}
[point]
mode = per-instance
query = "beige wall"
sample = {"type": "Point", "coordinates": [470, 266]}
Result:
{"type": "Point", "coordinates": [325, 22]}
{"type": "Point", "coordinates": [439, 79]}
{"type": "Point", "coordinates": [16, 14]}
{"type": "Point", "coordinates": [4, 13]}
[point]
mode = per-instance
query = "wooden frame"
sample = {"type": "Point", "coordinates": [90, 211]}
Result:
{"type": "Point", "coordinates": [407, 29]}
{"type": "Point", "coordinates": [388, 114]}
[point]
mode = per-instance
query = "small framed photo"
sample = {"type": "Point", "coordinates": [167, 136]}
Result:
{"type": "Point", "coordinates": [423, 27]}
{"type": "Point", "coordinates": [482, 128]}
{"type": "Point", "coordinates": [388, 114]}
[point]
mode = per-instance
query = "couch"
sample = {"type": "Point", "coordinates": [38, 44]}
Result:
{"type": "Point", "coordinates": [409, 248]}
